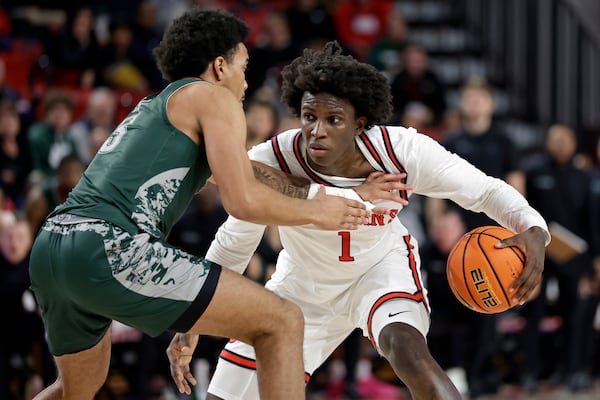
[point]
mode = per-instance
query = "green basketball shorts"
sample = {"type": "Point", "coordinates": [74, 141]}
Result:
{"type": "Point", "coordinates": [87, 272]}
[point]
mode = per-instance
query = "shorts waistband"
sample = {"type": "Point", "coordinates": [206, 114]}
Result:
{"type": "Point", "coordinates": [69, 219]}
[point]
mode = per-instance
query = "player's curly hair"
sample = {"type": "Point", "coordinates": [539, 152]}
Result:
{"type": "Point", "coordinates": [195, 39]}
{"type": "Point", "coordinates": [328, 71]}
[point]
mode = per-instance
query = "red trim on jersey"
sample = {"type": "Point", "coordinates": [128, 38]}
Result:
{"type": "Point", "coordinates": [280, 159]}
{"type": "Point", "coordinates": [237, 359]}
{"type": "Point", "coordinates": [304, 164]}
{"type": "Point", "coordinates": [390, 150]}
{"type": "Point", "coordinates": [245, 362]}
{"type": "Point", "coordinates": [363, 136]}
{"type": "Point", "coordinates": [413, 267]}
{"type": "Point", "coordinates": [417, 296]}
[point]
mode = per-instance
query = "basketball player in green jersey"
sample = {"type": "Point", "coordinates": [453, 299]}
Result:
{"type": "Point", "coordinates": [102, 256]}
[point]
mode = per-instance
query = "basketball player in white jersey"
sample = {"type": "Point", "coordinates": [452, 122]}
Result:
{"type": "Point", "coordinates": [369, 278]}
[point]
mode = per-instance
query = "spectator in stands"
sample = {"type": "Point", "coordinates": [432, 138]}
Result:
{"type": "Point", "coordinates": [169, 10]}
{"type": "Point", "coordinates": [386, 52]}
{"type": "Point", "coordinates": [43, 198]}
{"type": "Point", "coordinates": [253, 13]}
{"type": "Point", "coordinates": [98, 135]}
{"type": "Point", "coordinates": [589, 290]}
{"type": "Point", "coordinates": [7, 92]}
{"type": "Point", "coordinates": [416, 82]}
{"type": "Point", "coordinates": [74, 50]}
{"type": "Point", "coordinates": [277, 50]}
{"type": "Point", "coordinates": [15, 159]}
{"type": "Point", "coordinates": [595, 203]}
{"type": "Point", "coordinates": [101, 111]}
{"type": "Point", "coordinates": [146, 36]}
{"type": "Point", "coordinates": [561, 193]}
{"type": "Point", "coordinates": [118, 66]}
{"type": "Point", "coordinates": [5, 29]}
{"type": "Point", "coordinates": [360, 23]}
{"type": "Point", "coordinates": [48, 139]}
{"type": "Point", "coordinates": [481, 141]}
{"type": "Point", "coordinates": [311, 23]}
{"type": "Point", "coordinates": [262, 121]}
{"type": "Point", "coordinates": [21, 350]}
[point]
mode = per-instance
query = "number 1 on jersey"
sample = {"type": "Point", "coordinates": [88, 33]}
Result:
{"type": "Point", "coordinates": [345, 257]}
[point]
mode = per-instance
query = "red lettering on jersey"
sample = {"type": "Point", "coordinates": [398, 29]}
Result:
{"type": "Point", "coordinates": [377, 220]}
{"type": "Point", "coordinates": [393, 213]}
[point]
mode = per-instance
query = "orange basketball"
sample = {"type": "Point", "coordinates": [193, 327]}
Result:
{"type": "Point", "coordinates": [479, 274]}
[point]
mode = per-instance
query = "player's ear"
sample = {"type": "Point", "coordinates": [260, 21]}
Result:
{"type": "Point", "coordinates": [218, 66]}
{"type": "Point", "coordinates": [361, 122]}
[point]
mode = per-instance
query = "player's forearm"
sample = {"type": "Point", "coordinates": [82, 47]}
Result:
{"type": "Point", "coordinates": [289, 185]}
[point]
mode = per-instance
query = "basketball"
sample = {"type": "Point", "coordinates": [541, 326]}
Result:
{"type": "Point", "coordinates": [479, 274]}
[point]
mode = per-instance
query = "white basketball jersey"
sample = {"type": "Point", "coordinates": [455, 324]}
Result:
{"type": "Point", "coordinates": [333, 257]}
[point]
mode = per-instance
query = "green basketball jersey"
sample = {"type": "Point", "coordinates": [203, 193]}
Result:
{"type": "Point", "coordinates": [145, 174]}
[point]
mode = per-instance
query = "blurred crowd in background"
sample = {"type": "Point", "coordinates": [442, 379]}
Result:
{"type": "Point", "coordinates": [68, 76]}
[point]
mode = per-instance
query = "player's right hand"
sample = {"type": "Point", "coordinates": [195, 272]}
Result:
{"type": "Point", "coordinates": [180, 352]}
{"type": "Point", "coordinates": [338, 213]}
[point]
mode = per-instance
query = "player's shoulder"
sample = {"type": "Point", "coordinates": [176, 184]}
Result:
{"type": "Point", "coordinates": [286, 139]}
{"type": "Point", "coordinates": [289, 134]}
{"type": "Point", "coordinates": [279, 145]}
{"type": "Point", "coordinates": [395, 135]}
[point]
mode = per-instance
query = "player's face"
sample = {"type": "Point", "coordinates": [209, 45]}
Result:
{"type": "Point", "coordinates": [329, 125]}
{"type": "Point", "coordinates": [235, 73]}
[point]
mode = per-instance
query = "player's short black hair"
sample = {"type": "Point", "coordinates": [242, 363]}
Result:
{"type": "Point", "coordinates": [329, 71]}
{"type": "Point", "coordinates": [195, 39]}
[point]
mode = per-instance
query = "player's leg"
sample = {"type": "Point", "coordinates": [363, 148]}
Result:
{"type": "Point", "coordinates": [406, 350]}
{"type": "Point", "coordinates": [393, 298]}
{"type": "Point", "coordinates": [325, 328]}
{"type": "Point", "coordinates": [80, 375]}
{"type": "Point", "coordinates": [242, 309]}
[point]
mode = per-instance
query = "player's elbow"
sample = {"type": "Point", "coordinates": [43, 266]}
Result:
{"type": "Point", "coordinates": [244, 208]}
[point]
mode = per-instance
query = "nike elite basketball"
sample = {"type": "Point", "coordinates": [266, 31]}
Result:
{"type": "Point", "coordinates": [479, 274]}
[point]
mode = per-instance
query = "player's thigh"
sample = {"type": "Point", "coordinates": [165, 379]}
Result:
{"type": "Point", "coordinates": [82, 374]}
{"type": "Point", "coordinates": [243, 309]}
{"type": "Point", "coordinates": [392, 291]}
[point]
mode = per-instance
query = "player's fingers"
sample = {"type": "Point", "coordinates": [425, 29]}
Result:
{"type": "Point", "coordinates": [386, 195]}
{"type": "Point", "coordinates": [178, 378]}
{"type": "Point", "coordinates": [356, 220]}
{"type": "Point", "coordinates": [381, 211]}
{"type": "Point", "coordinates": [348, 226]}
{"type": "Point", "coordinates": [373, 176]}
{"type": "Point", "coordinates": [356, 208]}
{"type": "Point", "coordinates": [505, 243]}
{"type": "Point", "coordinates": [190, 378]}
{"type": "Point", "coordinates": [526, 284]}
{"type": "Point", "coordinates": [390, 178]}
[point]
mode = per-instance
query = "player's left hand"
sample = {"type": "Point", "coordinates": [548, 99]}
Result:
{"type": "Point", "coordinates": [532, 243]}
{"type": "Point", "coordinates": [180, 353]}
{"type": "Point", "coordinates": [382, 186]}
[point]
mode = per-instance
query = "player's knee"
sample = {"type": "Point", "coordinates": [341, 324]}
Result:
{"type": "Point", "coordinates": [292, 318]}
{"type": "Point", "coordinates": [402, 343]}
{"type": "Point", "coordinates": [285, 319]}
